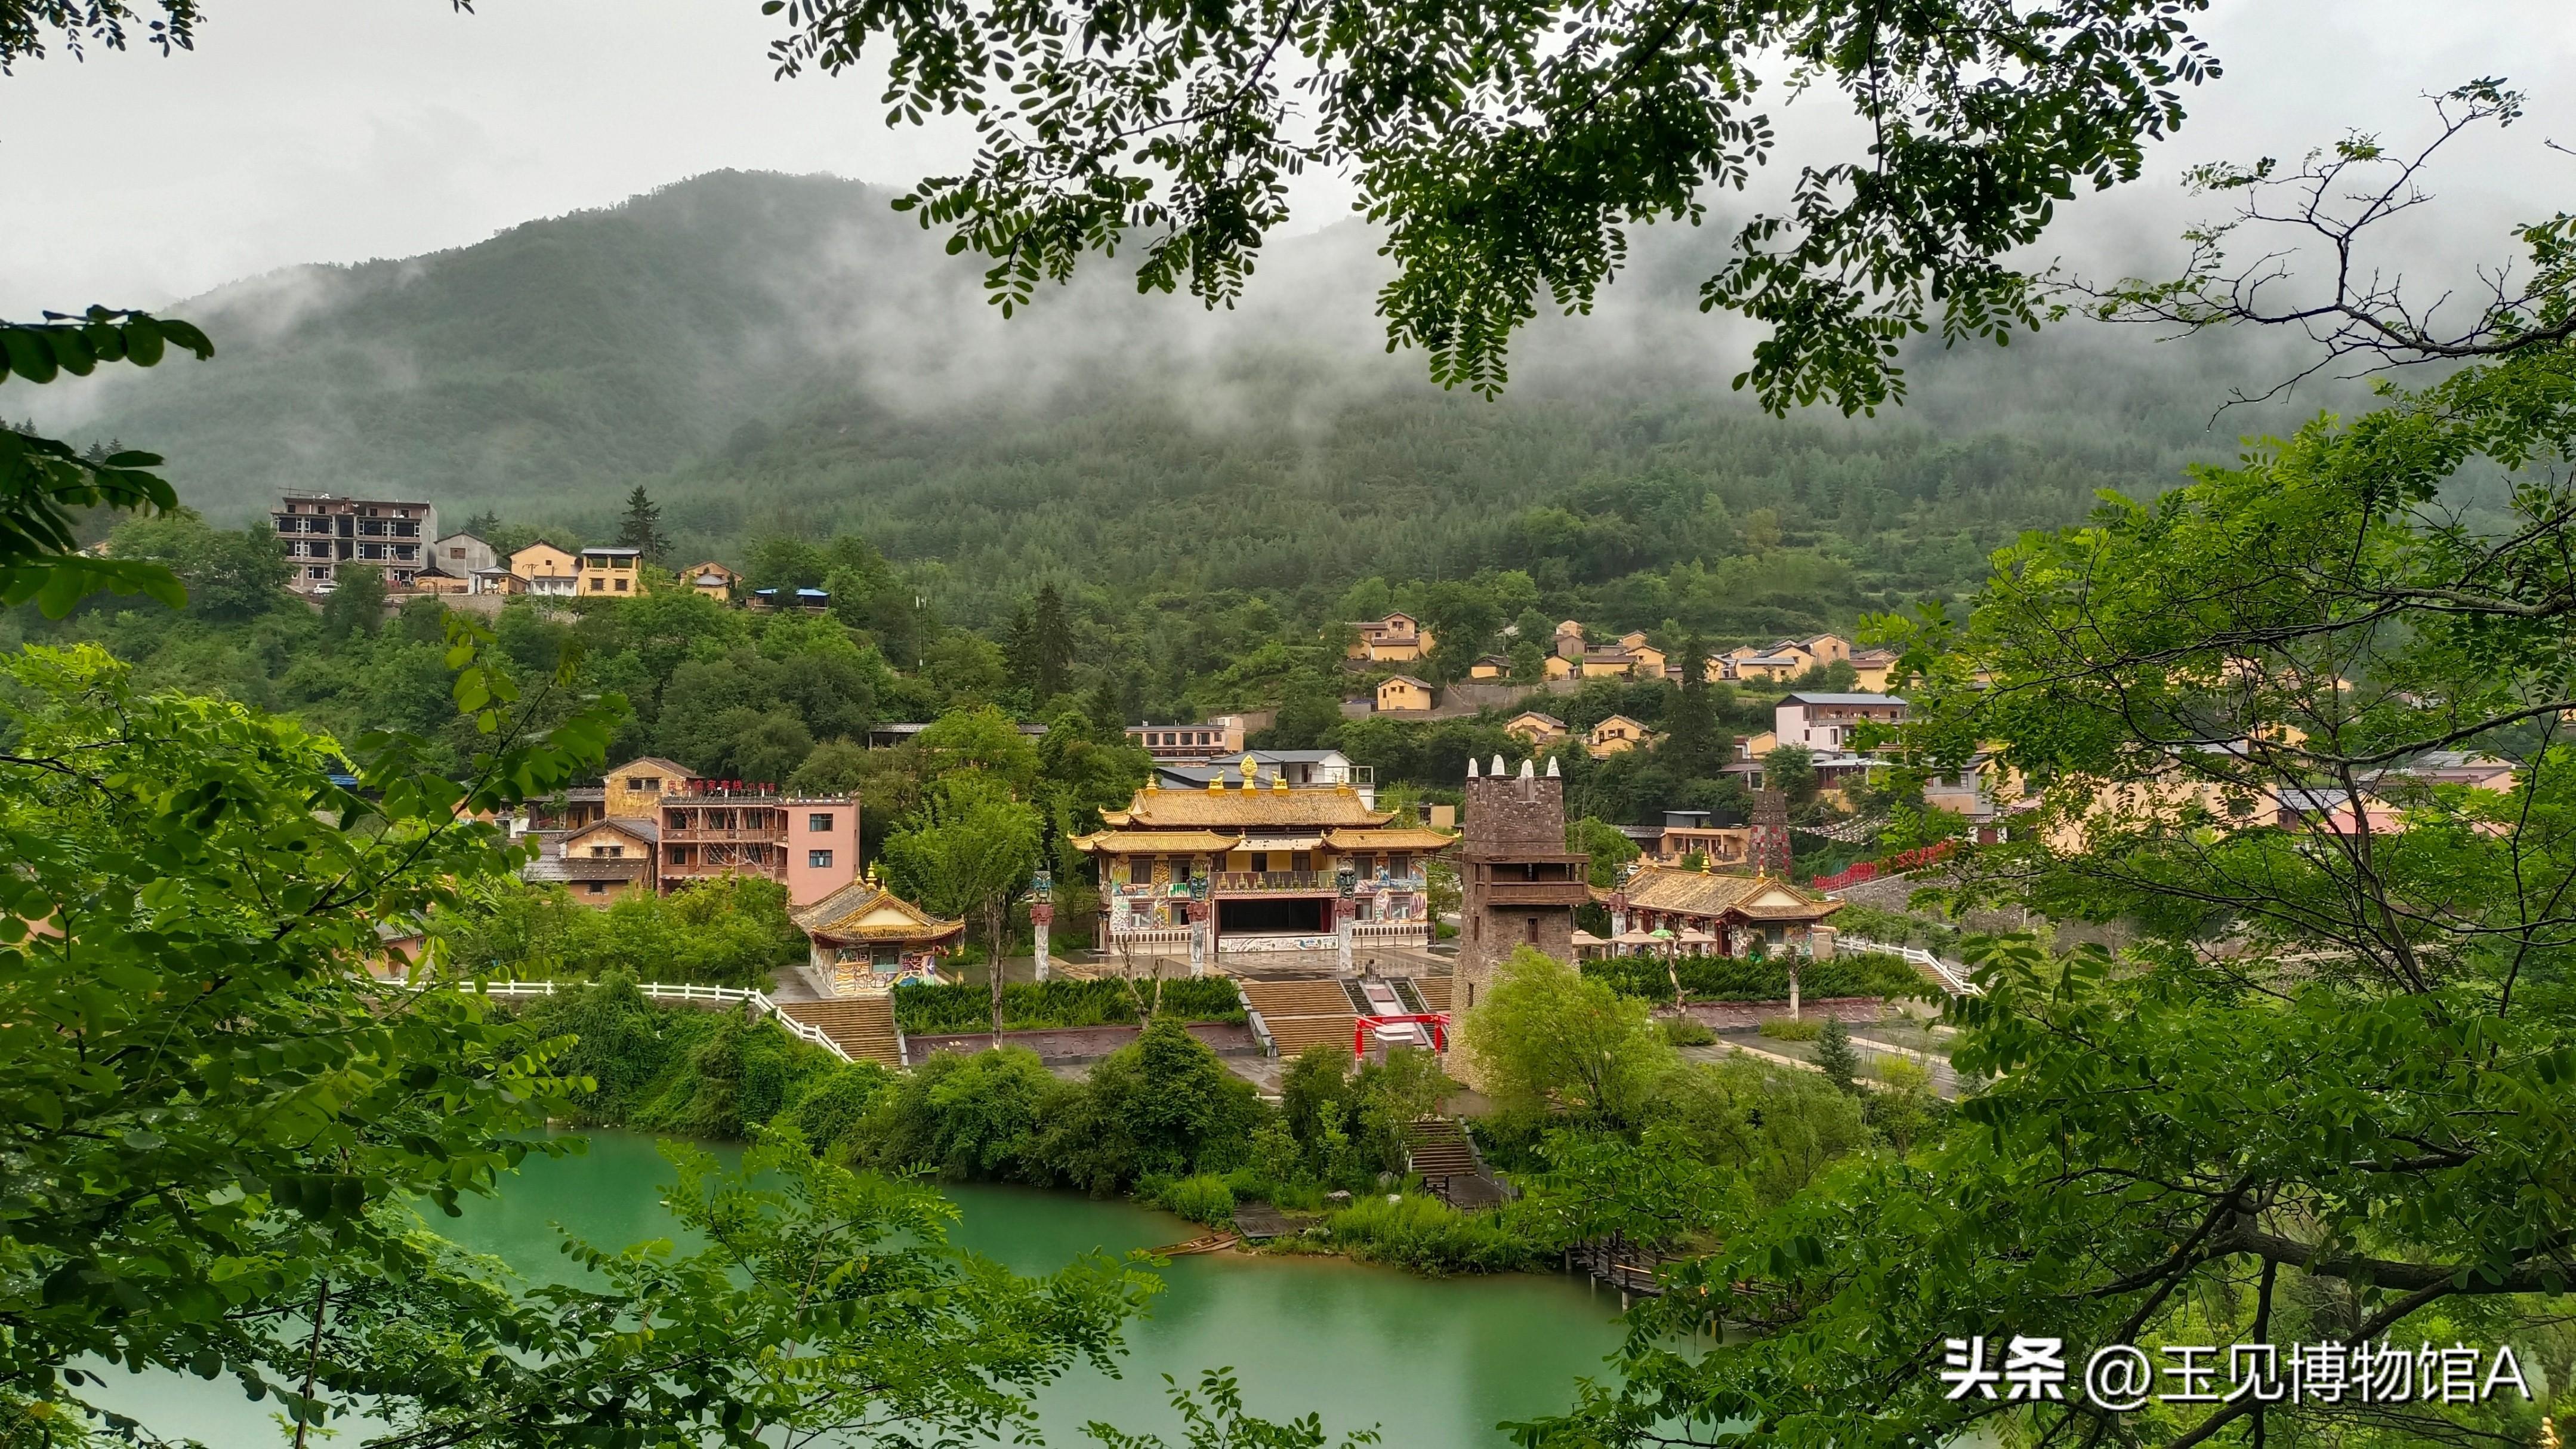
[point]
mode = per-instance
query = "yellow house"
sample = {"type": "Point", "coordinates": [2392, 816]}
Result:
{"type": "Point", "coordinates": [1535, 728]}
{"type": "Point", "coordinates": [1395, 639]}
{"type": "Point", "coordinates": [1826, 648]}
{"type": "Point", "coordinates": [611, 572]}
{"type": "Point", "coordinates": [1754, 747]}
{"type": "Point", "coordinates": [1560, 667]}
{"type": "Point", "coordinates": [1616, 735]}
{"type": "Point", "coordinates": [1645, 660]}
{"type": "Point", "coordinates": [1403, 692]}
{"type": "Point", "coordinates": [1491, 666]}
{"type": "Point", "coordinates": [1871, 668]}
{"type": "Point", "coordinates": [547, 569]}
{"type": "Point", "coordinates": [712, 579]}
{"type": "Point", "coordinates": [635, 789]}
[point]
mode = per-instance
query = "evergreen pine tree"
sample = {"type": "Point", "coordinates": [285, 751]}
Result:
{"type": "Point", "coordinates": [641, 527]}
{"type": "Point", "coordinates": [1019, 652]}
{"type": "Point", "coordinates": [1835, 1055]}
{"type": "Point", "coordinates": [1690, 726]}
{"type": "Point", "coordinates": [482, 525]}
{"type": "Point", "coordinates": [1050, 646]}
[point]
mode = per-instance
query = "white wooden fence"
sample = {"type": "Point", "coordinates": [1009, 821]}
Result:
{"type": "Point", "coordinates": [1952, 978]}
{"type": "Point", "coordinates": [682, 991]}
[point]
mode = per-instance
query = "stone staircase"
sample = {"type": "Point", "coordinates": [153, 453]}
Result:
{"type": "Point", "coordinates": [1436, 1150]}
{"type": "Point", "coordinates": [862, 1026]}
{"type": "Point", "coordinates": [1302, 1013]}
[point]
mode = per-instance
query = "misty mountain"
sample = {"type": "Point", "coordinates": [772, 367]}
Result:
{"type": "Point", "coordinates": [786, 354]}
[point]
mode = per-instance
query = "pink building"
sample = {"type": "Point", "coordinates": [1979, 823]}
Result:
{"type": "Point", "coordinates": [822, 846]}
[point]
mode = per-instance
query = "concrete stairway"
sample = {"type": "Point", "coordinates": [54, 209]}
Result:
{"type": "Point", "coordinates": [1437, 1151]}
{"type": "Point", "coordinates": [863, 1026]}
{"type": "Point", "coordinates": [1302, 1013]}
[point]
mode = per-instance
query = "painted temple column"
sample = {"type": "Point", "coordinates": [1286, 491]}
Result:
{"type": "Point", "coordinates": [1199, 933]}
{"type": "Point", "coordinates": [1345, 912]}
{"type": "Point", "coordinates": [1041, 916]}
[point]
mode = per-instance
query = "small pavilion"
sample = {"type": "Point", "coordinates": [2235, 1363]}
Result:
{"type": "Point", "coordinates": [865, 938]}
{"type": "Point", "coordinates": [1703, 913]}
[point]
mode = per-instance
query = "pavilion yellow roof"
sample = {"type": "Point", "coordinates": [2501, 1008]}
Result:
{"type": "Point", "coordinates": [866, 911]}
{"type": "Point", "coordinates": [1704, 893]}
{"type": "Point", "coordinates": [1399, 837]}
{"type": "Point", "coordinates": [1154, 842]}
{"type": "Point", "coordinates": [1241, 809]}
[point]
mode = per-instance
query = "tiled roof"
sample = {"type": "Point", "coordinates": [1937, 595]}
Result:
{"type": "Point", "coordinates": [1201, 809]}
{"type": "Point", "coordinates": [1871, 699]}
{"type": "Point", "coordinates": [648, 831]}
{"type": "Point", "coordinates": [1705, 893]}
{"type": "Point", "coordinates": [838, 915]}
{"type": "Point", "coordinates": [559, 868]}
{"type": "Point", "coordinates": [658, 763]}
{"type": "Point", "coordinates": [1551, 721]}
{"type": "Point", "coordinates": [1153, 842]}
{"type": "Point", "coordinates": [1399, 838]}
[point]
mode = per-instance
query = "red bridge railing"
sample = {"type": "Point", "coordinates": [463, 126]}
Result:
{"type": "Point", "coordinates": [1897, 864]}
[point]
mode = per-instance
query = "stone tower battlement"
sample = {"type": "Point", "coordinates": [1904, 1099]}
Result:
{"type": "Point", "coordinates": [1518, 884]}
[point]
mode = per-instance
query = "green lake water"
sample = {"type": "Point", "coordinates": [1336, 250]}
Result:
{"type": "Point", "coordinates": [1432, 1363]}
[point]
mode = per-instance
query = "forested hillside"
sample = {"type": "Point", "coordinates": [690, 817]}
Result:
{"type": "Point", "coordinates": [783, 355]}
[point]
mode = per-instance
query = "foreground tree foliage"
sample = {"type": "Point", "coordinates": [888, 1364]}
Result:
{"type": "Point", "coordinates": [220, 1124]}
{"type": "Point", "coordinates": [1506, 151]}
{"type": "Point", "coordinates": [2327, 1093]}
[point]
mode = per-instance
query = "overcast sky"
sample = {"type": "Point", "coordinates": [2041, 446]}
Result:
{"type": "Point", "coordinates": [340, 130]}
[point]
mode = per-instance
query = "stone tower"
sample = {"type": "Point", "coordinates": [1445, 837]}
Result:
{"type": "Point", "coordinates": [1518, 884]}
{"type": "Point", "coordinates": [1769, 847]}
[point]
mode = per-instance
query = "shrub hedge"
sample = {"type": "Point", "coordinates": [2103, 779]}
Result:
{"type": "Point", "coordinates": [932, 1010]}
{"type": "Point", "coordinates": [1738, 978]}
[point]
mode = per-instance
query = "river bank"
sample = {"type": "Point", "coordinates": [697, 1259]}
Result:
{"type": "Point", "coordinates": [1435, 1364]}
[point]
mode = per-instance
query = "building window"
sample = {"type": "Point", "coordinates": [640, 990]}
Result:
{"type": "Point", "coordinates": [638, 782]}
{"type": "Point", "coordinates": [818, 860]}
{"type": "Point", "coordinates": [1300, 860]}
{"type": "Point", "coordinates": [603, 852]}
{"type": "Point", "coordinates": [621, 586]}
{"type": "Point", "coordinates": [819, 823]}
{"type": "Point", "coordinates": [456, 553]}
{"type": "Point", "coordinates": [1140, 871]}
{"type": "Point", "coordinates": [1530, 930]}
{"type": "Point", "coordinates": [1261, 860]}
{"type": "Point", "coordinates": [596, 887]}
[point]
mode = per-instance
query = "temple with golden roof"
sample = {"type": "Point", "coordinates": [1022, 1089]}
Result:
{"type": "Point", "coordinates": [866, 938]}
{"type": "Point", "coordinates": [1703, 913]}
{"type": "Point", "coordinates": [1266, 862]}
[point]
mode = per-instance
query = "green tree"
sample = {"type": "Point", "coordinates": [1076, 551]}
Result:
{"type": "Point", "coordinates": [1476, 172]}
{"type": "Point", "coordinates": [982, 741]}
{"type": "Point", "coordinates": [1546, 1039]}
{"type": "Point", "coordinates": [1050, 648]}
{"type": "Point", "coordinates": [640, 527]}
{"type": "Point", "coordinates": [357, 605]}
{"type": "Point", "coordinates": [1836, 1057]}
{"type": "Point", "coordinates": [1691, 738]}
{"type": "Point", "coordinates": [229, 575]}
{"type": "Point", "coordinates": [2332, 1061]}
{"type": "Point", "coordinates": [1609, 848]}
{"type": "Point", "coordinates": [1791, 771]}
{"type": "Point", "coordinates": [968, 852]}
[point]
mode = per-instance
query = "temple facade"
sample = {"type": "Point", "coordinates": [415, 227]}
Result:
{"type": "Point", "coordinates": [865, 938]}
{"type": "Point", "coordinates": [1262, 864]}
